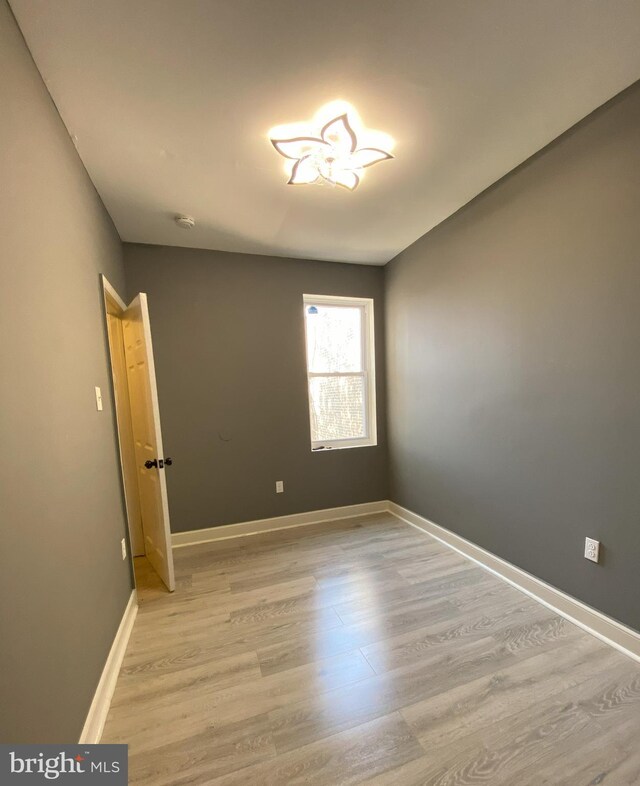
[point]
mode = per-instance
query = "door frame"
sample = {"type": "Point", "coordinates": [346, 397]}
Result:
{"type": "Point", "coordinates": [115, 305]}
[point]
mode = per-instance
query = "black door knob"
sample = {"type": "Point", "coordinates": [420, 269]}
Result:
{"type": "Point", "coordinates": [168, 461]}
{"type": "Point", "coordinates": [149, 464]}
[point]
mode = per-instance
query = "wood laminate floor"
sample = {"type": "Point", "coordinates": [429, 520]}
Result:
{"type": "Point", "coordinates": [365, 652]}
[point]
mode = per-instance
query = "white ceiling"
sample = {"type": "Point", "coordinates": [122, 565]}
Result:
{"type": "Point", "coordinates": [170, 102]}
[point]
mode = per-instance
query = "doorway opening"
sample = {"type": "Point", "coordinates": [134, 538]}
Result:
{"type": "Point", "coordinates": [142, 459]}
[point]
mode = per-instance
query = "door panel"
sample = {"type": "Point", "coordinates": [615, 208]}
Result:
{"type": "Point", "coordinates": [125, 434]}
{"type": "Point", "coordinates": [147, 437]}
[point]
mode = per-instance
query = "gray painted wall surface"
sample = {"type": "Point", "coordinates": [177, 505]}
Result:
{"type": "Point", "coordinates": [513, 354]}
{"type": "Point", "coordinates": [63, 584]}
{"type": "Point", "coordinates": [228, 338]}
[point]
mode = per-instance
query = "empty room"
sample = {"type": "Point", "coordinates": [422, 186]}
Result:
{"type": "Point", "coordinates": [320, 395]}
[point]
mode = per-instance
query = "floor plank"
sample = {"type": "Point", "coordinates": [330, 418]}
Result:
{"type": "Point", "coordinates": [363, 651]}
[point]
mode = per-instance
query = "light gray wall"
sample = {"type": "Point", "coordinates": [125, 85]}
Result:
{"type": "Point", "coordinates": [513, 359]}
{"type": "Point", "coordinates": [63, 584]}
{"type": "Point", "coordinates": [228, 339]}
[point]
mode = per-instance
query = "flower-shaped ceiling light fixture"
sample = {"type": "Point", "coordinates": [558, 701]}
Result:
{"type": "Point", "coordinates": [334, 156]}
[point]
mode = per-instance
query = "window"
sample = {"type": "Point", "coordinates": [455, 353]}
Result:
{"type": "Point", "coordinates": [340, 371]}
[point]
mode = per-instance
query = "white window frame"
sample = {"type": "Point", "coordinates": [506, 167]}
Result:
{"type": "Point", "coordinates": [368, 369]}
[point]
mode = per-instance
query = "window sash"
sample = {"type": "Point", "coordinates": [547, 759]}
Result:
{"type": "Point", "coordinates": [365, 406]}
{"type": "Point", "coordinates": [363, 334]}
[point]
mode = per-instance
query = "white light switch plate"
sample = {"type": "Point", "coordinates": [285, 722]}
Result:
{"type": "Point", "coordinates": [98, 399]}
{"type": "Point", "coordinates": [592, 549]}
{"type": "Point", "coordinates": [279, 486]}
{"type": "Point", "coordinates": [123, 545]}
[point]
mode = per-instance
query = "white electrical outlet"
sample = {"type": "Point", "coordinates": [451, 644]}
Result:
{"type": "Point", "coordinates": [98, 399]}
{"type": "Point", "coordinates": [592, 549]}
{"type": "Point", "coordinates": [123, 544]}
{"type": "Point", "coordinates": [279, 486]}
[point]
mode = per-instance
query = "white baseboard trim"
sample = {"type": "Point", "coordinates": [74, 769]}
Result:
{"type": "Point", "coordinates": [619, 636]}
{"type": "Point", "coordinates": [94, 724]}
{"type": "Point", "coordinates": [224, 531]}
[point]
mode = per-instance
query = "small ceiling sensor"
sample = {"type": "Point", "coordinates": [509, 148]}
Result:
{"type": "Point", "coordinates": [185, 222]}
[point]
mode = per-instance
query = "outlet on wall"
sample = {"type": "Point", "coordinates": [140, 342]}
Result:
{"type": "Point", "coordinates": [123, 544]}
{"type": "Point", "coordinates": [591, 549]}
{"type": "Point", "coordinates": [279, 486]}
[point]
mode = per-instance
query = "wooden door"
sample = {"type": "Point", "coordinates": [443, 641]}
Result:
{"type": "Point", "coordinates": [147, 438]}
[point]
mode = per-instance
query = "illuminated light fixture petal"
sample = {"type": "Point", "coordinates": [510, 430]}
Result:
{"type": "Point", "coordinates": [298, 147]}
{"type": "Point", "coordinates": [346, 178]}
{"type": "Point", "coordinates": [367, 156]}
{"type": "Point", "coordinates": [333, 156]}
{"type": "Point", "coordinates": [304, 171]}
{"type": "Point", "coordinates": [339, 134]}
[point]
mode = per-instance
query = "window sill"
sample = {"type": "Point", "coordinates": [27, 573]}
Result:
{"type": "Point", "coordinates": [330, 448]}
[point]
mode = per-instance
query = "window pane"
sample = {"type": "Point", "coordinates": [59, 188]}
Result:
{"type": "Point", "coordinates": [334, 338]}
{"type": "Point", "coordinates": [337, 408]}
